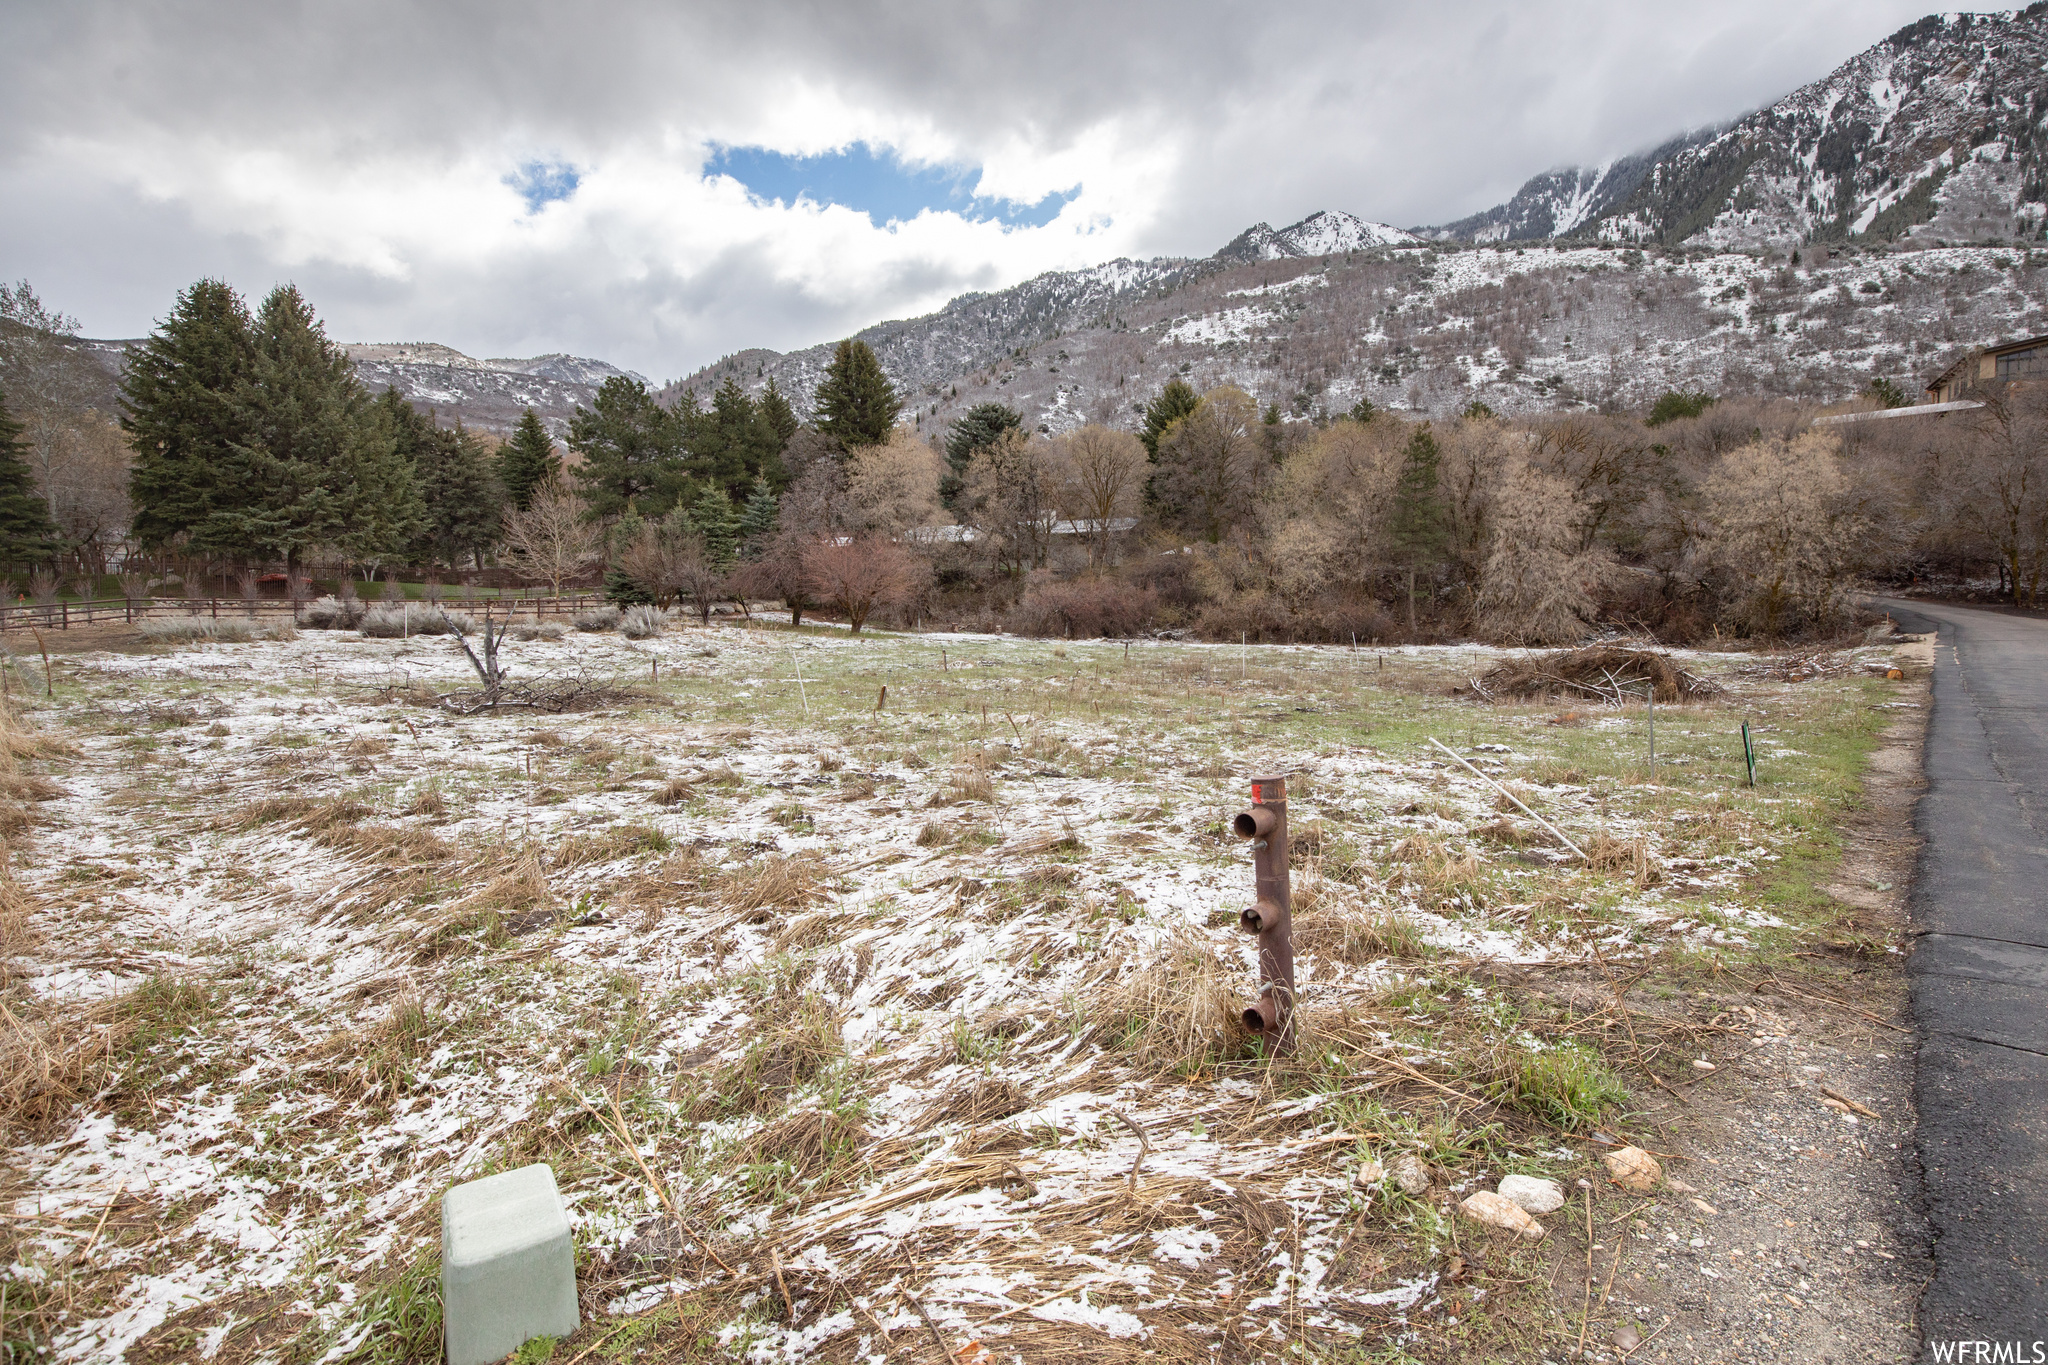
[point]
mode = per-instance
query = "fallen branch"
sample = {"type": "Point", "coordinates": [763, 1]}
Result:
{"type": "Point", "coordinates": [1518, 801]}
{"type": "Point", "coordinates": [1144, 1147]}
{"type": "Point", "coordinates": [1840, 1098]}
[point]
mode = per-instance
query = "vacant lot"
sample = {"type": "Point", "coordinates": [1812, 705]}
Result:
{"type": "Point", "coordinates": [858, 1024]}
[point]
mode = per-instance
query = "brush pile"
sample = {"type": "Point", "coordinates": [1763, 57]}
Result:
{"type": "Point", "coordinates": [1611, 674]}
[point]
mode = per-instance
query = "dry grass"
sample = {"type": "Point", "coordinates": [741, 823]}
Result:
{"type": "Point", "coordinates": [675, 791]}
{"type": "Point", "coordinates": [1357, 934]}
{"type": "Point", "coordinates": [967, 784]}
{"type": "Point", "coordinates": [52, 1061]}
{"type": "Point", "coordinates": [797, 1037]}
{"type": "Point", "coordinates": [1630, 858]}
{"type": "Point", "coordinates": [819, 1147]}
{"type": "Point", "coordinates": [1179, 1012]}
{"type": "Point", "coordinates": [609, 845]}
{"type": "Point", "coordinates": [514, 901]}
{"type": "Point", "coordinates": [755, 890]}
{"type": "Point", "coordinates": [396, 1041]}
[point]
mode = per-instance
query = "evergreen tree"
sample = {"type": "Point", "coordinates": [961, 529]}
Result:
{"type": "Point", "coordinates": [1419, 525]}
{"type": "Point", "coordinates": [711, 516]}
{"type": "Point", "coordinates": [976, 429]}
{"type": "Point", "coordinates": [733, 443]}
{"type": "Point", "coordinates": [528, 460]}
{"type": "Point", "coordinates": [631, 448]}
{"type": "Point", "coordinates": [855, 404]}
{"type": "Point", "coordinates": [317, 464]}
{"type": "Point", "coordinates": [180, 401]}
{"type": "Point", "coordinates": [458, 487]}
{"type": "Point", "coordinates": [1362, 411]}
{"type": "Point", "coordinates": [780, 416]}
{"type": "Point", "coordinates": [758, 520]}
{"type": "Point", "coordinates": [26, 535]}
{"type": "Point", "coordinates": [1174, 402]}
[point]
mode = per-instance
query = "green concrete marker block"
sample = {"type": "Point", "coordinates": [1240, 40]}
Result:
{"type": "Point", "coordinates": [508, 1265]}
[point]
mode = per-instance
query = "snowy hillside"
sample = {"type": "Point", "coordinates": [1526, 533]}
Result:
{"type": "Point", "coordinates": [488, 395]}
{"type": "Point", "coordinates": [1933, 136]}
{"type": "Point", "coordinates": [1431, 329]}
{"type": "Point", "coordinates": [1319, 234]}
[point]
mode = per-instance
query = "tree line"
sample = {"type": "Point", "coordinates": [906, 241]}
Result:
{"type": "Point", "coordinates": [245, 439]}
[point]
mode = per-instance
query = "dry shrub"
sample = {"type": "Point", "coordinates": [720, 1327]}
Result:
{"type": "Point", "coordinates": [1601, 672]}
{"type": "Point", "coordinates": [1084, 608]}
{"type": "Point", "coordinates": [755, 890]}
{"type": "Point", "coordinates": [1629, 857]}
{"type": "Point", "coordinates": [1177, 1012]}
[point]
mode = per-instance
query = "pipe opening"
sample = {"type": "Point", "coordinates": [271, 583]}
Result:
{"type": "Point", "coordinates": [1253, 1020]}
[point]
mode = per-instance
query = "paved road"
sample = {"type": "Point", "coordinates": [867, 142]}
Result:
{"type": "Point", "coordinates": [1979, 975]}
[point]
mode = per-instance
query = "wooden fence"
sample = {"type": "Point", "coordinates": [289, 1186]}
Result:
{"type": "Point", "coordinates": [64, 615]}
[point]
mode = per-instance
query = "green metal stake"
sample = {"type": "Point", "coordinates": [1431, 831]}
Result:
{"type": "Point", "coordinates": [1748, 754]}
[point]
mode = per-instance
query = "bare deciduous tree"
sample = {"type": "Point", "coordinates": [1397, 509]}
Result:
{"type": "Point", "coordinates": [1010, 496]}
{"type": "Point", "coordinates": [550, 540]}
{"type": "Point", "coordinates": [861, 575]}
{"type": "Point", "coordinates": [86, 483]}
{"type": "Point", "coordinates": [1534, 589]}
{"type": "Point", "coordinates": [1781, 530]}
{"type": "Point", "coordinates": [894, 487]}
{"type": "Point", "coordinates": [1102, 472]}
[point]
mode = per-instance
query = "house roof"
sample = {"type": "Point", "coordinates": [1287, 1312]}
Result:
{"type": "Point", "coordinates": [1996, 349]}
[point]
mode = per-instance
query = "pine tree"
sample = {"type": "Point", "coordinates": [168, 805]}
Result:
{"type": "Point", "coordinates": [781, 417]}
{"type": "Point", "coordinates": [458, 487]}
{"type": "Point", "coordinates": [758, 520]}
{"type": "Point", "coordinates": [733, 443]}
{"type": "Point", "coordinates": [976, 429]}
{"type": "Point", "coordinates": [712, 517]}
{"type": "Point", "coordinates": [181, 408]}
{"type": "Point", "coordinates": [631, 448]}
{"type": "Point", "coordinates": [317, 464]}
{"type": "Point", "coordinates": [855, 404]}
{"type": "Point", "coordinates": [528, 460]}
{"type": "Point", "coordinates": [1418, 527]}
{"type": "Point", "coordinates": [26, 535]}
{"type": "Point", "coordinates": [1174, 402]}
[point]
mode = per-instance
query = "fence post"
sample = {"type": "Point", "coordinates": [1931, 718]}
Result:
{"type": "Point", "coordinates": [66, 608]}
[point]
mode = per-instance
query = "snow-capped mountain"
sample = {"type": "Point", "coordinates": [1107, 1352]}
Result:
{"type": "Point", "coordinates": [489, 395]}
{"type": "Point", "coordinates": [1932, 136]}
{"type": "Point", "coordinates": [1319, 234]}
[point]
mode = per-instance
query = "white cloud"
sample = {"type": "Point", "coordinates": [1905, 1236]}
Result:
{"type": "Point", "coordinates": [366, 153]}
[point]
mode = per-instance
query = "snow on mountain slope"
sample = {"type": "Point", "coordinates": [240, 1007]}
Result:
{"type": "Point", "coordinates": [489, 395]}
{"type": "Point", "coordinates": [1431, 330]}
{"type": "Point", "coordinates": [1935, 135]}
{"type": "Point", "coordinates": [1319, 234]}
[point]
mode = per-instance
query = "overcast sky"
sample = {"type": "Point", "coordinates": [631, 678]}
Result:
{"type": "Point", "coordinates": [517, 177]}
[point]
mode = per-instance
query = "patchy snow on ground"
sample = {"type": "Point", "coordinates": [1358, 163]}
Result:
{"type": "Point", "coordinates": [937, 989]}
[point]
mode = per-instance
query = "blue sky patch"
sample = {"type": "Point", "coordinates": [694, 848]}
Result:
{"type": "Point", "coordinates": [880, 185]}
{"type": "Point", "coordinates": [543, 182]}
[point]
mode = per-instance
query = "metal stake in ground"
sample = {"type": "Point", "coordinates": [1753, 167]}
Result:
{"type": "Point", "coordinates": [1271, 915]}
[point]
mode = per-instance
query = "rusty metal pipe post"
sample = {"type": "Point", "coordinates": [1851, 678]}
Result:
{"type": "Point", "coordinates": [1271, 915]}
